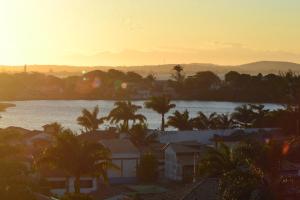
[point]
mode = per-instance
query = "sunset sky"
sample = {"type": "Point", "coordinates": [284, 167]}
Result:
{"type": "Point", "coordinates": [137, 32]}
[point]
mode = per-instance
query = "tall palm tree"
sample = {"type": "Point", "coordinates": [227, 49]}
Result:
{"type": "Point", "coordinates": [241, 170]}
{"type": "Point", "coordinates": [89, 120]}
{"type": "Point", "coordinates": [76, 158]}
{"type": "Point", "coordinates": [162, 105]}
{"type": "Point", "coordinates": [139, 135]}
{"type": "Point", "coordinates": [125, 111]}
{"type": "Point", "coordinates": [235, 181]}
{"type": "Point", "coordinates": [181, 121]}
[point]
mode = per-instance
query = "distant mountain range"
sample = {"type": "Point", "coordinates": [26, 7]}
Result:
{"type": "Point", "coordinates": [162, 71]}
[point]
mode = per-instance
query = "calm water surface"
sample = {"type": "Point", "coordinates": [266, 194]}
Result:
{"type": "Point", "coordinates": [35, 114]}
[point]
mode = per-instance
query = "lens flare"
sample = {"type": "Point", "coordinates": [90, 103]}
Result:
{"type": "Point", "coordinates": [285, 148]}
{"type": "Point", "coordinates": [96, 83]}
{"type": "Point", "coordinates": [124, 85]}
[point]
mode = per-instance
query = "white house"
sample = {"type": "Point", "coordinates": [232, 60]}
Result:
{"type": "Point", "coordinates": [126, 156]}
{"type": "Point", "coordinates": [123, 153]}
{"type": "Point", "coordinates": [205, 136]}
{"type": "Point", "coordinates": [180, 160]}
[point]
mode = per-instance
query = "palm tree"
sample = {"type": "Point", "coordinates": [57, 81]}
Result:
{"type": "Point", "coordinates": [217, 161]}
{"type": "Point", "coordinates": [89, 120]}
{"type": "Point", "coordinates": [162, 105]}
{"type": "Point", "coordinates": [237, 180]}
{"type": "Point", "coordinates": [139, 135]}
{"type": "Point", "coordinates": [203, 122]}
{"type": "Point", "coordinates": [241, 170]}
{"type": "Point", "coordinates": [15, 177]}
{"type": "Point", "coordinates": [55, 127]}
{"type": "Point", "coordinates": [76, 158]}
{"type": "Point", "coordinates": [249, 115]}
{"type": "Point", "coordinates": [181, 121]}
{"type": "Point", "coordinates": [125, 111]}
{"type": "Point", "coordinates": [223, 121]}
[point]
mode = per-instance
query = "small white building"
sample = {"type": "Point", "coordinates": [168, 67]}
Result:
{"type": "Point", "coordinates": [180, 160]}
{"type": "Point", "coordinates": [126, 156]}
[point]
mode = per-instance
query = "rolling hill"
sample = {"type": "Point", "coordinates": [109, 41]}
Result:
{"type": "Point", "coordinates": [162, 71]}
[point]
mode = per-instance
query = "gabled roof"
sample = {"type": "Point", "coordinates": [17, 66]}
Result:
{"type": "Point", "coordinates": [120, 146]}
{"type": "Point", "coordinates": [186, 147]}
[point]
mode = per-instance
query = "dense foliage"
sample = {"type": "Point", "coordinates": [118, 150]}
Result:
{"type": "Point", "coordinates": [15, 180]}
{"type": "Point", "coordinates": [251, 170]}
{"type": "Point", "coordinates": [76, 158]}
{"type": "Point", "coordinates": [147, 170]}
{"type": "Point", "coordinates": [115, 84]}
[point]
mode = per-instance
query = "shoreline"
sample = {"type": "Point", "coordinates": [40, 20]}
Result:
{"type": "Point", "coordinates": [135, 99]}
{"type": "Point", "coordinates": [4, 106]}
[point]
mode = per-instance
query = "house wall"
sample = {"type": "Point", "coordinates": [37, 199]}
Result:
{"type": "Point", "coordinates": [70, 185]}
{"type": "Point", "coordinates": [127, 164]}
{"type": "Point", "coordinates": [173, 170]}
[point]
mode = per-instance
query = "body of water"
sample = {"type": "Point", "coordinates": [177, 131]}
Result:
{"type": "Point", "coordinates": [34, 114]}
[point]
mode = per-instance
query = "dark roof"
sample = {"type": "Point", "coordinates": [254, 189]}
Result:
{"type": "Point", "coordinates": [31, 134]}
{"type": "Point", "coordinates": [98, 136]}
{"type": "Point", "coordinates": [120, 146]}
{"type": "Point", "coordinates": [186, 147]}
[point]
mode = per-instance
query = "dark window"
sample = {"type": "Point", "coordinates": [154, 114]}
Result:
{"type": "Point", "coordinates": [57, 184]}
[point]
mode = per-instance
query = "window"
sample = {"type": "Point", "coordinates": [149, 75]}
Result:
{"type": "Point", "coordinates": [57, 184]}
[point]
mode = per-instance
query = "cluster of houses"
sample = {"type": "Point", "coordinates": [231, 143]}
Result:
{"type": "Point", "coordinates": [177, 153]}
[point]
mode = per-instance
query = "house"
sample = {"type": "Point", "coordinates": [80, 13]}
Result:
{"type": "Point", "coordinates": [126, 156]}
{"type": "Point", "coordinates": [37, 137]}
{"type": "Point", "coordinates": [180, 160]}
{"type": "Point", "coordinates": [58, 183]}
{"type": "Point", "coordinates": [206, 136]}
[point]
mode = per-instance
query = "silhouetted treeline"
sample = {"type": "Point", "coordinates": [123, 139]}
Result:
{"type": "Point", "coordinates": [281, 88]}
{"type": "Point", "coordinates": [115, 84]}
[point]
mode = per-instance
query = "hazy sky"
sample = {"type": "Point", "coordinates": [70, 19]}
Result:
{"type": "Point", "coordinates": [135, 32]}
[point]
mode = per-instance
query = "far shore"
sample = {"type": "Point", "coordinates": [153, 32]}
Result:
{"type": "Point", "coordinates": [4, 106]}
